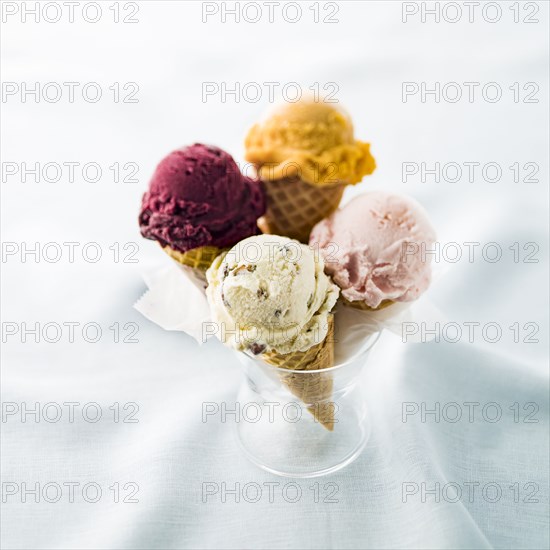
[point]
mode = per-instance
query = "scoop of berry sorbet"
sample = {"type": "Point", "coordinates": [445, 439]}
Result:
{"type": "Point", "coordinates": [198, 197]}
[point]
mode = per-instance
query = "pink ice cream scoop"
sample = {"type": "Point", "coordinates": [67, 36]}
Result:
{"type": "Point", "coordinates": [376, 248]}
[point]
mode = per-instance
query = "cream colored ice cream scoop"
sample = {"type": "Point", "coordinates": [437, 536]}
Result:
{"type": "Point", "coordinates": [270, 293]}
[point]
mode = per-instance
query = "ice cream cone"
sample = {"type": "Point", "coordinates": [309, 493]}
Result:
{"type": "Point", "coordinates": [294, 207]}
{"type": "Point", "coordinates": [276, 305]}
{"type": "Point", "coordinates": [305, 153]}
{"type": "Point", "coordinates": [195, 262]}
{"type": "Point", "coordinates": [198, 203]}
{"type": "Point", "coordinates": [315, 390]}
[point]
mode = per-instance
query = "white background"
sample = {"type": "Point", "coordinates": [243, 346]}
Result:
{"type": "Point", "coordinates": [170, 453]}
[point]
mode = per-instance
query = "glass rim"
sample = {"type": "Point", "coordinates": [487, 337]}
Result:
{"type": "Point", "coordinates": [368, 345]}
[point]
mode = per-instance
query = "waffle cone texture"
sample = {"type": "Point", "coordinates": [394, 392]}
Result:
{"type": "Point", "coordinates": [295, 206]}
{"type": "Point", "coordinates": [315, 389]}
{"type": "Point", "coordinates": [196, 261]}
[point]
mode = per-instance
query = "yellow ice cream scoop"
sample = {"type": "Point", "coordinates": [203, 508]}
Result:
{"type": "Point", "coordinates": [309, 140]}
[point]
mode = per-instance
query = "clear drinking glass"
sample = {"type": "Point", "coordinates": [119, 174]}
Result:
{"type": "Point", "coordinates": [284, 413]}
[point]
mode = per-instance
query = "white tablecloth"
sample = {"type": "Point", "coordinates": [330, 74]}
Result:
{"type": "Point", "coordinates": [402, 491]}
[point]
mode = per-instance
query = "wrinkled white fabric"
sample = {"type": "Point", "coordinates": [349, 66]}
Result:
{"type": "Point", "coordinates": [170, 460]}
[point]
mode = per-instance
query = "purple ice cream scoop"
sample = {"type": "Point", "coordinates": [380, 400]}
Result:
{"type": "Point", "coordinates": [198, 197]}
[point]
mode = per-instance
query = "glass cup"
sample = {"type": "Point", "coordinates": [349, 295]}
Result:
{"type": "Point", "coordinates": [300, 423]}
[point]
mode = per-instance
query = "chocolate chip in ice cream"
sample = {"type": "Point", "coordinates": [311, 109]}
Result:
{"type": "Point", "coordinates": [256, 348]}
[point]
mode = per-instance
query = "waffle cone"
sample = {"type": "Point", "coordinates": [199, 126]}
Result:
{"type": "Point", "coordinates": [315, 390]}
{"type": "Point", "coordinates": [361, 305]}
{"type": "Point", "coordinates": [195, 262]}
{"type": "Point", "coordinates": [294, 207]}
